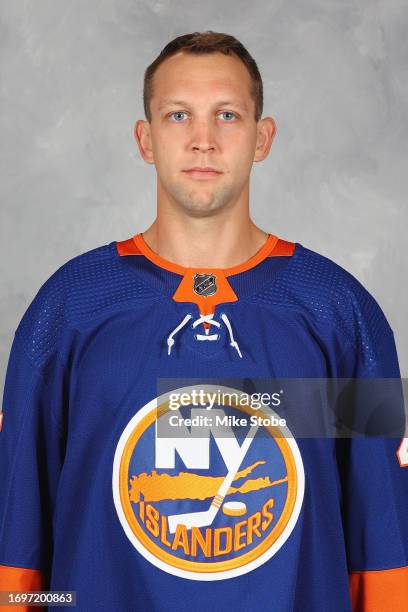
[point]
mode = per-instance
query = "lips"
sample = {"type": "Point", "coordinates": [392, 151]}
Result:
{"type": "Point", "coordinates": [202, 172]}
{"type": "Point", "coordinates": [203, 169]}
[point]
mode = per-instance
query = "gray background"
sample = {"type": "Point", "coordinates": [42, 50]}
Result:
{"type": "Point", "coordinates": [335, 78]}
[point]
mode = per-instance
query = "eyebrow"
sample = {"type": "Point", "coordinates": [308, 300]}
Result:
{"type": "Point", "coordinates": [168, 102]}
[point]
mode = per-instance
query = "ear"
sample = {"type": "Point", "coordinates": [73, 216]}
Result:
{"type": "Point", "coordinates": [266, 129]}
{"type": "Point", "coordinates": [144, 141]}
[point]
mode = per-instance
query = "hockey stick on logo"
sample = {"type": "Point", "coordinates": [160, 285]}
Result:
{"type": "Point", "coordinates": [206, 517]}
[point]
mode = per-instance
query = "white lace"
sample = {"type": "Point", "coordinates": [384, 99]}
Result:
{"type": "Point", "coordinates": [207, 336]}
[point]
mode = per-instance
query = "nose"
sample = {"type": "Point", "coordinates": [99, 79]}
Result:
{"type": "Point", "coordinates": [203, 138]}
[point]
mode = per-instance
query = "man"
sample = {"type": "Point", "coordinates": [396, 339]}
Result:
{"type": "Point", "coordinates": [99, 498]}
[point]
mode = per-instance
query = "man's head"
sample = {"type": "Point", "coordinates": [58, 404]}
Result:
{"type": "Point", "coordinates": [203, 101]}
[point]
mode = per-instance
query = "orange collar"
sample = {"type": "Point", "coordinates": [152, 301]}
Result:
{"type": "Point", "coordinates": [259, 256]}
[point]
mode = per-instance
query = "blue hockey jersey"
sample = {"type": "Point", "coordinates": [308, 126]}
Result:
{"type": "Point", "coordinates": [94, 500]}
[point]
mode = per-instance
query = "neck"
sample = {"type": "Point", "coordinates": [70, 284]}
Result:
{"type": "Point", "coordinates": [207, 242]}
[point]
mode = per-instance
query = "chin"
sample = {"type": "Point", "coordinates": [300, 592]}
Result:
{"type": "Point", "coordinates": [199, 202]}
{"type": "Point", "coordinates": [200, 209]}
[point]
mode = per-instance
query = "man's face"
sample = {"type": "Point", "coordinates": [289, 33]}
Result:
{"type": "Point", "coordinates": [202, 115]}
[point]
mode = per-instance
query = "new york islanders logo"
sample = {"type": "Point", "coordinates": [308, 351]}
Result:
{"type": "Point", "coordinates": [201, 505]}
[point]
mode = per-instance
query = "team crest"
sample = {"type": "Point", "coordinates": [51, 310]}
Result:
{"type": "Point", "coordinates": [204, 284]}
{"type": "Point", "coordinates": [207, 506]}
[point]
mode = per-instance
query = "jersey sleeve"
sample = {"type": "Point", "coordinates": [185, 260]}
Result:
{"type": "Point", "coordinates": [31, 457]}
{"type": "Point", "coordinates": [374, 486]}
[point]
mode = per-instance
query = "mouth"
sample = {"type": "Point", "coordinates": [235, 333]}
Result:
{"type": "Point", "coordinates": [199, 174]}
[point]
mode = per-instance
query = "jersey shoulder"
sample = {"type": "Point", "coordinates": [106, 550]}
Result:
{"type": "Point", "coordinates": [329, 296]}
{"type": "Point", "coordinates": [82, 288]}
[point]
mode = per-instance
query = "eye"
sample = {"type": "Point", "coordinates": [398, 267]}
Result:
{"type": "Point", "coordinates": [177, 113]}
{"type": "Point", "coordinates": [228, 113]}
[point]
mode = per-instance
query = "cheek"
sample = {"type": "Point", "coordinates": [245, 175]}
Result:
{"type": "Point", "coordinates": [162, 143]}
{"type": "Point", "coordinates": [240, 144]}
{"type": "Point", "coordinates": [164, 151]}
{"type": "Point", "coordinates": [169, 163]}
{"type": "Point", "coordinates": [241, 156]}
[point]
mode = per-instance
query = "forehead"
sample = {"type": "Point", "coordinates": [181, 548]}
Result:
{"type": "Point", "coordinates": [185, 74]}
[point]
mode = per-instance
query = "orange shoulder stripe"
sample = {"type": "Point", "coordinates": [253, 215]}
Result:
{"type": "Point", "coordinates": [21, 579]}
{"type": "Point", "coordinates": [128, 247]}
{"type": "Point", "coordinates": [283, 248]}
{"type": "Point", "coordinates": [382, 590]}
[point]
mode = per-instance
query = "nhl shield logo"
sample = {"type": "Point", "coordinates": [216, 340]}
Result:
{"type": "Point", "coordinates": [207, 507]}
{"type": "Point", "coordinates": [204, 284]}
